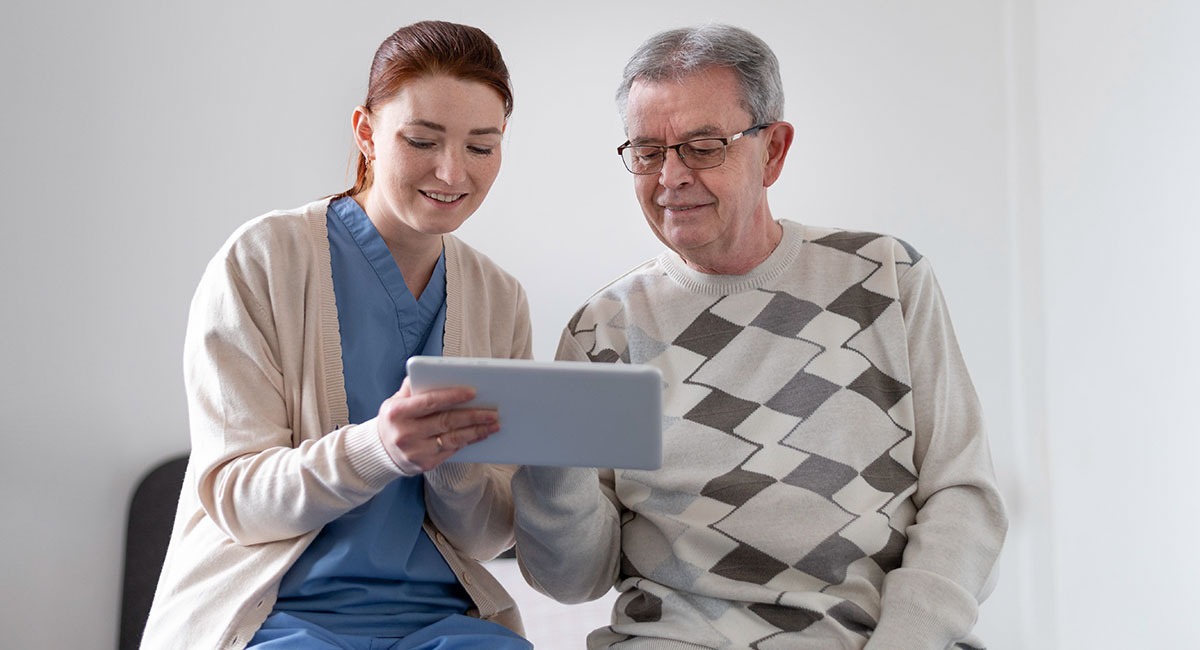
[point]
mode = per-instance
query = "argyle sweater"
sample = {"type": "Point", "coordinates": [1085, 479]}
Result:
{"type": "Point", "coordinates": [826, 479]}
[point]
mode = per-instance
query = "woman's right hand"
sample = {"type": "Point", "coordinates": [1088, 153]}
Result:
{"type": "Point", "coordinates": [421, 431]}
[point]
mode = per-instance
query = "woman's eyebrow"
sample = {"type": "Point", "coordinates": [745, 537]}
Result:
{"type": "Point", "coordinates": [490, 130]}
{"type": "Point", "coordinates": [427, 124]}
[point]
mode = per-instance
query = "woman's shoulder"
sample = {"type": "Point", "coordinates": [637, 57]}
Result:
{"type": "Point", "coordinates": [294, 230]}
{"type": "Point", "coordinates": [471, 264]}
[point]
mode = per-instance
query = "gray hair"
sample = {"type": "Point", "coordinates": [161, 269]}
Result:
{"type": "Point", "coordinates": [674, 54]}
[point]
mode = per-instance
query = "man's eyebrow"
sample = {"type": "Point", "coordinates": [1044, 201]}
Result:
{"type": "Point", "coordinates": [706, 131]}
{"type": "Point", "coordinates": [702, 132]}
{"type": "Point", "coordinates": [490, 130]}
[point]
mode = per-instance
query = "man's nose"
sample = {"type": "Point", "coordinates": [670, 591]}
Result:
{"type": "Point", "coordinates": [674, 173]}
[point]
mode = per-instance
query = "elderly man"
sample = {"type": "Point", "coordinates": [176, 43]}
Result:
{"type": "Point", "coordinates": [826, 479]}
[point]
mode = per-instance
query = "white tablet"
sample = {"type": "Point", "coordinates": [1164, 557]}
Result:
{"type": "Point", "coordinates": [561, 413]}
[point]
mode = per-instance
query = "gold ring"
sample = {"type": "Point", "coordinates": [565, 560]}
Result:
{"type": "Point", "coordinates": [441, 447]}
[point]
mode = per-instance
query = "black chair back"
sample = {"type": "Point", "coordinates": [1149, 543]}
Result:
{"type": "Point", "coordinates": [148, 531]}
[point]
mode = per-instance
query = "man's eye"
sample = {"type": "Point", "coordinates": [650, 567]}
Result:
{"type": "Point", "coordinates": [702, 150]}
{"type": "Point", "coordinates": [648, 155]}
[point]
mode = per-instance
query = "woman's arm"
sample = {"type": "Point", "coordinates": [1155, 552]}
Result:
{"type": "Point", "coordinates": [256, 479]}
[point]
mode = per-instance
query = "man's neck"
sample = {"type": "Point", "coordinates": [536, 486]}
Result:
{"type": "Point", "coordinates": [730, 263]}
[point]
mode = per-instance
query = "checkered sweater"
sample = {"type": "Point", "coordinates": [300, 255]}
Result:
{"type": "Point", "coordinates": [826, 479]}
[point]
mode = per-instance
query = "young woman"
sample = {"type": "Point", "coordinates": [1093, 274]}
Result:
{"type": "Point", "coordinates": [317, 510]}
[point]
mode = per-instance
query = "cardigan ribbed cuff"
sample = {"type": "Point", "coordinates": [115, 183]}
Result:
{"type": "Point", "coordinates": [368, 457]}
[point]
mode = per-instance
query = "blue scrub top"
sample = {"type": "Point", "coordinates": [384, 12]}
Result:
{"type": "Point", "coordinates": [374, 571]}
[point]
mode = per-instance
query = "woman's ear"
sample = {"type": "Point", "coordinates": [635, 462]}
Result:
{"type": "Point", "coordinates": [360, 122]}
{"type": "Point", "coordinates": [779, 141]}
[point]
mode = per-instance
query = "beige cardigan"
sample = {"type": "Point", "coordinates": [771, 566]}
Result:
{"type": "Point", "coordinates": [274, 457]}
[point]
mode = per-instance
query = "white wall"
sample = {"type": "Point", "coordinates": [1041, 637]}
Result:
{"type": "Point", "coordinates": [1119, 116]}
{"type": "Point", "coordinates": [136, 135]}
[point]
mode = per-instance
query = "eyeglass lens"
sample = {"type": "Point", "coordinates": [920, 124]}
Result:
{"type": "Point", "coordinates": [696, 154]}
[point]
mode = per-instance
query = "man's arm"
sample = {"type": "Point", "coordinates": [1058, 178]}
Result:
{"type": "Point", "coordinates": [471, 503]}
{"type": "Point", "coordinates": [932, 599]}
{"type": "Point", "coordinates": [567, 523]}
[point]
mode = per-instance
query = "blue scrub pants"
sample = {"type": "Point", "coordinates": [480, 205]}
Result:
{"type": "Point", "coordinates": [455, 632]}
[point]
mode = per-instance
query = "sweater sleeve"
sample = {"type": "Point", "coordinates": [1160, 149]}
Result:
{"type": "Point", "coordinates": [931, 600]}
{"type": "Point", "coordinates": [253, 479]}
{"type": "Point", "coordinates": [567, 523]}
{"type": "Point", "coordinates": [471, 503]}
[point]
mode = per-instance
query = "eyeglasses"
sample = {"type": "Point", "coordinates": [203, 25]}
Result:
{"type": "Point", "coordinates": [701, 153]}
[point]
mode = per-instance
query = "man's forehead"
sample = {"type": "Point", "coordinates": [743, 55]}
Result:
{"type": "Point", "coordinates": [642, 133]}
{"type": "Point", "coordinates": [705, 103]}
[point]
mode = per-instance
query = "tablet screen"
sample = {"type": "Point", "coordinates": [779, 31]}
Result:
{"type": "Point", "coordinates": [561, 413]}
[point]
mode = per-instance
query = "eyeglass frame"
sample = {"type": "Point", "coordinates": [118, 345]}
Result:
{"type": "Point", "coordinates": [725, 142]}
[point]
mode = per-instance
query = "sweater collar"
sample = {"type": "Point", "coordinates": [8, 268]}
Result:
{"type": "Point", "coordinates": [717, 284]}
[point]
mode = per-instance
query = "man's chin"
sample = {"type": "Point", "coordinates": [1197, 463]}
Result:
{"type": "Point", "coordinates": [680, 235]}
{"type": "Point", "coordinates": [685, 237]}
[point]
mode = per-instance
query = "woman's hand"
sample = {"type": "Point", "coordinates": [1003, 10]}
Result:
{"type": "Point", "coordinates": [421, 431]}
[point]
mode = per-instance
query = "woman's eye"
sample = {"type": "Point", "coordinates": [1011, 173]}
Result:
{"type": "Point", "coordinates": [482, 151]}
{"type": "Point", "coordinates": [421, 144]}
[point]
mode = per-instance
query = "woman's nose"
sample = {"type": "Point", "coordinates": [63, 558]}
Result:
{"type": "Point", "coordinates": [451, 168]}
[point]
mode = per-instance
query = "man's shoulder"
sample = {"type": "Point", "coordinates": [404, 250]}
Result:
{"type": "Point", "coordinates": [872, 245]}
{"type": "Point", "coordinates": [634, 281]}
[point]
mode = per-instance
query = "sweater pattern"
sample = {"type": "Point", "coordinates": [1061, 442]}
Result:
{"type": "Point", "coordinates": [787, 399]}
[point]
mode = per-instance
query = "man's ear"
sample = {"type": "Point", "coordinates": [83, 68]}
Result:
{"type": "Point", "coordinates": [779, 141]}
{"type": "Point", "coordinates": [360, 123]}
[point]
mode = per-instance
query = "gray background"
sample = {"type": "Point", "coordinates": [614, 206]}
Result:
{"type": "Point", "coordinates": [1042, 153]}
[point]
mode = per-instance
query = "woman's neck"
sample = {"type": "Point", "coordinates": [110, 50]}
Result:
{"type": "Point", "coordinates": [415, 253]}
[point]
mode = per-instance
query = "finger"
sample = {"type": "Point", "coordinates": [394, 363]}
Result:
{"type": "Point", "coordinates": [453, 419]}
{"type": "Point", "coordinates": [461, 437]}
{"type": "Point", "coordinates": [417, 405]}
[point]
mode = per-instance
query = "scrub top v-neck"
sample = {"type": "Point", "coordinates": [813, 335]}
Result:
{"type": "Point", "coordinates": [374, 571]}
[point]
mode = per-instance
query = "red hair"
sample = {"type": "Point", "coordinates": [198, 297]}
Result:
{"type": "Point", "coordinates": [427, 48]}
